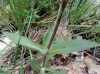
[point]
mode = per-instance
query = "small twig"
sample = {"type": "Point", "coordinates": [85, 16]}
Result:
{"type": "Point", "coordinates": [92, 56]}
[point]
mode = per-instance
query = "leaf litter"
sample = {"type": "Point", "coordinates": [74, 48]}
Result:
{"type": "Point", "coordinates": [88, 65]}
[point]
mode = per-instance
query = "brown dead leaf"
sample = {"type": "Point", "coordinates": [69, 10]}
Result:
{"type": "Point", "coordinates": [77, 68]}
{"type": "Point", "coordinates": [92, 67]}
{"type": "Point", "coordinates": [74, 68]}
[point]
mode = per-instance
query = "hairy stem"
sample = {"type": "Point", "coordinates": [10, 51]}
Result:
{"type": "Point", "coordinates": [57, 22]}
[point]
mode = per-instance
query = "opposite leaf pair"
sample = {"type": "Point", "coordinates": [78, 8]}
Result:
{"type": "Point", "coordinates": [58, 46]}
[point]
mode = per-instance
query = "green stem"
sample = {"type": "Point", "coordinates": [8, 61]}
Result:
{"type": "Point", "coordinates": [57, 22]}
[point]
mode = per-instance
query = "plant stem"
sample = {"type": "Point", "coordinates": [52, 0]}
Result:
{"type": "Point", "coordinates": [57, 22]}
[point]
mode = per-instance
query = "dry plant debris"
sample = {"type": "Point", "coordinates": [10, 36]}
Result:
{"type": "Point", "coordinates": [87, 66]}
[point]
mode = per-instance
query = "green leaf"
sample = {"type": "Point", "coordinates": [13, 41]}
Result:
{"type": "Point", "coordinates": [61, 71]}
{"type": "Point", "coordinates": [2, 71]}
{"type": "Point", "coordinates": [34, 64]}
{"type": "Point", "coordinates": [46, 39]}
{"type": "Point", "coordinates": [50, 69]}
{"type": "Point", "coordinates": [57, 42]}
{"type": "Point", "coordinates": [72, 46]}
{"type": "Point", "coordinates": [24, 41]}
